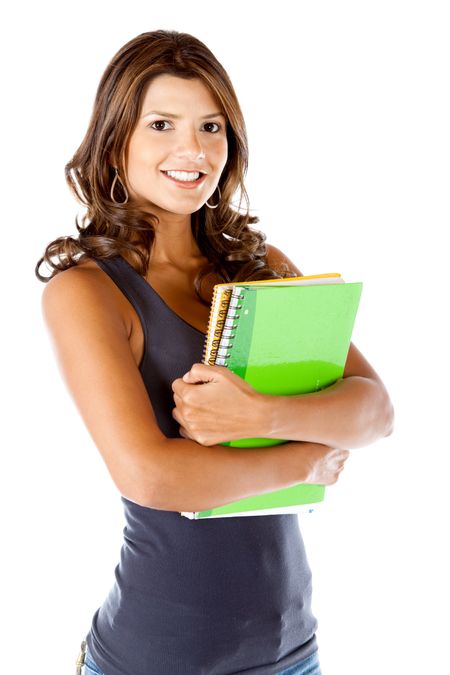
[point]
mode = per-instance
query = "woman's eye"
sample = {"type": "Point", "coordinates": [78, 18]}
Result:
{"type": "Point", "coordinates": [159, 122]}
{"type": "Point", "coordinates": [213, 123]}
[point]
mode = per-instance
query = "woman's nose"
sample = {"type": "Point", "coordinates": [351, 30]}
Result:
{"type": "Point", "coordinates": [190, 146]}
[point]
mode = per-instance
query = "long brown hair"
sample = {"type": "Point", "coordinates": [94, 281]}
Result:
{"type": "Point", "coordinates": [235, 251]}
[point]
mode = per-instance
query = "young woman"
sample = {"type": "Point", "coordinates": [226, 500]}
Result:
{"type": "Point", "coordinates": [127, 306]}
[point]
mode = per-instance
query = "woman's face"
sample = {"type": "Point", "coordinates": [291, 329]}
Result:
{"type": "Point", "coordinates": [181, 127]}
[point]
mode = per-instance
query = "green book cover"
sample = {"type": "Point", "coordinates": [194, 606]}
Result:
{"type": "Point", "coordinates": [285, 338]}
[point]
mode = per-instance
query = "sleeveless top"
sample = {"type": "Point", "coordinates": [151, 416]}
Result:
{"type": "Point", "coordinates": [197, 597]}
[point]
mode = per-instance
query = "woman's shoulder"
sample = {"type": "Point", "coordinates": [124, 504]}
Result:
{"type": "Point", "coordinates": [275, 257]}
{"type": "Point", "coordinates": [88, 282]}
{"type": "Point", "coordinates": [83, 274]}
{"type": "Point", "coordinates": [84, 265]}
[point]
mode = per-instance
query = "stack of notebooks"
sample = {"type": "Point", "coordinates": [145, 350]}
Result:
{"type": "Point", "coordinates": [284, 337]}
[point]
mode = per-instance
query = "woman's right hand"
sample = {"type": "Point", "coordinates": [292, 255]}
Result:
{"type": "Point", "coordinates": [321, 464]}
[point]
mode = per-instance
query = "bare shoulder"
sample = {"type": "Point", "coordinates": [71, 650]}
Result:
{"type": "Point", "coordinates": [85, 271]}
{"type": "Point", "coordinates": [275, 257]}
{"type": "Point", "coordinates": [80, 311]}
{"type": "Point", "coordinates": [88, 285]}
{"type": "Point", "coordinates": [82, 275]}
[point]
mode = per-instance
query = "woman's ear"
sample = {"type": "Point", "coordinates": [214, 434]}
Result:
{"type": "Point", "coordinates": [113, 160]}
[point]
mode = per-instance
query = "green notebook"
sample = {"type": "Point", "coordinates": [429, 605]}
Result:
{"type": "Point", "coordinates": [284, 337]}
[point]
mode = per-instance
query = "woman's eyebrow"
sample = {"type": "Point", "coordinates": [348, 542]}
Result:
{"type": "Point", "coordinates": [177, 117]}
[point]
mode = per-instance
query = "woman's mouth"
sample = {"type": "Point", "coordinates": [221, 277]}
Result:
{"type": "Point", "coordinates": [185, 179]}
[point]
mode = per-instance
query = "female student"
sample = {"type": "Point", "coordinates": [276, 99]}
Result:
{"type": "Point", "coordinates": [127, 307]}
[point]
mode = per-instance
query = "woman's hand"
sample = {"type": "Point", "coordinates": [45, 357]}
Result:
{"type": "Point", "coordinates": [213, 405]}
{"type": "Point", "coordinates": [322, 464]}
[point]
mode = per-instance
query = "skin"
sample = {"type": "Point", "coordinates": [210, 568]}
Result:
{"type": "Point", "coordinates": [164, 143]}
{"type": "Point", "coordinates": [100, 343]}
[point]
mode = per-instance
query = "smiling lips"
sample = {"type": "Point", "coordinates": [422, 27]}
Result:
{"type": "Point", "coordinates": [186, 179]}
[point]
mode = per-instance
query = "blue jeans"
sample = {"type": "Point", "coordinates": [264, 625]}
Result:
{"type": "Point", "coordinates": [308, 666]}
{"type": "Point", "coordinates": [90, 667]}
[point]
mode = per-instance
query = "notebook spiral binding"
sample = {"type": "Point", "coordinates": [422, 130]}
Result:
{"type": "Point", "coordinates": [217, 316]}
{"type": "Point", "coordinates": [226, 340]}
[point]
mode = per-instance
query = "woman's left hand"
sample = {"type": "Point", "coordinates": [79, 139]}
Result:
{"type": "Point", "coordinates": [213, 405]}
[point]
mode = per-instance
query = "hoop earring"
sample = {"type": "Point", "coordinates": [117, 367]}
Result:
{"type": "Point", "coordinates": [117, 177]}
{"type": "Point", "coordinates": [215, 205]}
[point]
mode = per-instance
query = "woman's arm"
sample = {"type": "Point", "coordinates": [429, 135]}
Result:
{"type": "Point", "coordinates": [90, 338]}
{"type": "Point", "coordinates": [353, 412]}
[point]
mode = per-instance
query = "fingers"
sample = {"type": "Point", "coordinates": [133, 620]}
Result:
{"type": "Point", "coordinates": [181, 389]}
{"type": "Point", "coordinates": [334, 465]}
{"type": "Point", "coordinates": [198, 373]}
{"type": "Point", "coordinates": [181, 429]}
{"type": "Point", "coordinates": [341, 459]}
{"type": "Point", "coordinates": [177, 385]}
{"type": "Point", "coordinates": [176, 415]}
{"type": "Point", "coordinates": [202, 372]}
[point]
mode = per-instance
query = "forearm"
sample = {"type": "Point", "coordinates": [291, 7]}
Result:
{"type": "Point", "coordinates": [353, 412]}
{"type": "Point", "coordinates": [187, 476]}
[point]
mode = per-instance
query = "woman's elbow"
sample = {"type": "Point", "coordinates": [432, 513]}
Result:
{"type": "Point", "coordinates": [380, 412]}
{"type": "Point", "coordinates": [389, 415]}
{"type": "Point", "coordinates": [391, 424]}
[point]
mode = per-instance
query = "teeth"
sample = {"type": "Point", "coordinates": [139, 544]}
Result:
{"type": "Point", "coordinates": [183, 175]}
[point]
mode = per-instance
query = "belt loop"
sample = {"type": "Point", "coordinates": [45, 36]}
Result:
{"type": "Point", "coordinates": [80, 659]}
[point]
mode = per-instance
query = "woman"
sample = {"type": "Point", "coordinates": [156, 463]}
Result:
{"type": "Point", "coordinates": [163, 157]}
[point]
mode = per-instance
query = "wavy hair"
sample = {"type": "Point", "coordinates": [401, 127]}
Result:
{"type": "Point", "coordinates": [235, 250]}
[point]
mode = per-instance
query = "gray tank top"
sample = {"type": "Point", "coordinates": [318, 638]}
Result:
{"type": "Point", "coordinates": [197, 597]}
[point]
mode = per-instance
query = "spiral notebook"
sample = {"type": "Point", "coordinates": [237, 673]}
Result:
{"type": "Point", "coordinates": [284, 337]}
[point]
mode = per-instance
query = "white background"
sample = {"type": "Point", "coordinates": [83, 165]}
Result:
{"type": "Point", "coordinates": [347, 110]}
